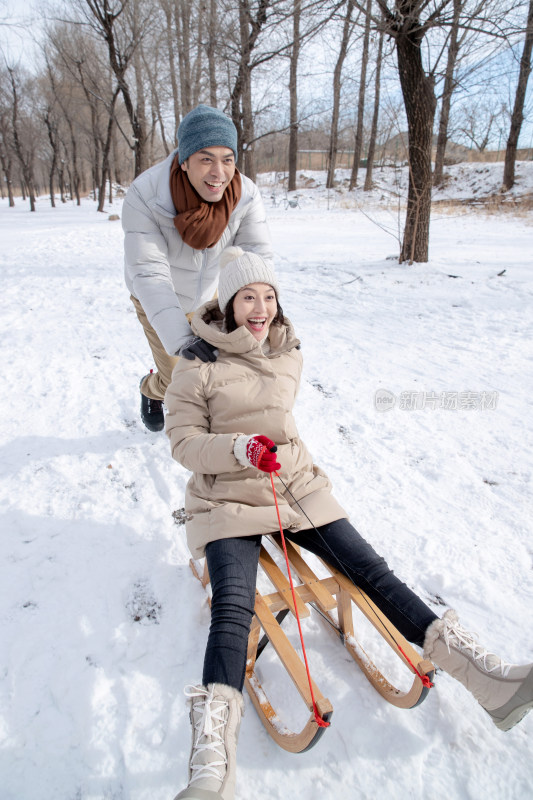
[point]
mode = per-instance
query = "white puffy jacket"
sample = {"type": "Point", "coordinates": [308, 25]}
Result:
{"type": "Point", "coordinates": [168, 277]}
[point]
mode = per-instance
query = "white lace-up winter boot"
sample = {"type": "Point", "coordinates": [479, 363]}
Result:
{"type": "Point", "coordinates": [504, 690]}
{"type": "Point", "coordinates": [215, 714]}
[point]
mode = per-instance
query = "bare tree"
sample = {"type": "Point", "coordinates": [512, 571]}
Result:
{"type": "Point", "coordinates": [51, 123]}
{"type": "Point", "coordinates": [6, 161]}
{"type": "Point", "coordinates": [347, 30]}
{"type": "Point", "coordinates": [24, 145]}
{"type": "Point", "coordinates": [77, 68]}
{"type": "Point", "coordinates": [517, 116]}
{"type": "Point", "coordinates": [293, 95]}
{"type": "Point", "coordinates": [408, 23]}
{"type": "Point", "coordinates": [375, 116]}
{"type": "Point", "coordinates": [212, 36]}
{"type": "Point", "coordinates": [158, 94]}
{"type": "Point", "coordinates": [189, 23]}
{"type": "Point", "coordinates": [307, 21]}
{"type": "Point", "coordinates": [105, 17]}
{"type": "Point", "coordinates": [476, 120]}
{"type": "Point", "coordinates": [404, 24]}
{"type": "Point", "coordinates": [167, 6]}
{"type": "Point", "coordinates": [449, 86]}
{"type": "Point", "coordinates": [361, 99]}
{"type": "Point", "coordinates": [6, 138]}
{"type": "Point", "coordinates": [251, 22]}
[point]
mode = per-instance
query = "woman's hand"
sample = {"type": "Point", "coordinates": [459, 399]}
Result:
{"type": "Point", "coordinates": [256, 451]}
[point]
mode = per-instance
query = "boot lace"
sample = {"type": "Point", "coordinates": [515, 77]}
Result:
{"type": "Point", "coordinates": [210, 715]}
{"type": "Point", "coordinates": [455, 634]}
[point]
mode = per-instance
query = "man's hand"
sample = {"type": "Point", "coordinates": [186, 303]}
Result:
{"type": "Point", "coordinates": [198, 348]}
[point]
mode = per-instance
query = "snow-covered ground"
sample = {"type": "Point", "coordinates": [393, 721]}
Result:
{"type": "Point", "coordinates": [416, 399]}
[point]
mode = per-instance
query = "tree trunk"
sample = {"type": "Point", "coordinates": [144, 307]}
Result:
{"type": "Point", "coordinates": [5, 161]}
{"type": "Point", "coordinates": [119, 62]}
{"type": "Point", "coordinates": [420, 104]}
{"type": "Point", "coordinates": [75, 175]}
{"type": "Point", "coordinates": [61, 180]}
{"type": "Point", "coordinates": [183, 33]}
{"type": "Point", "coordinates": [241, 95]}
{"type": "Point", "coordinates": [449, 87]}
{"type": "Point", "coordinates": [517, 116]}
{"type": "Point", "coordinates": [375, 118]}
{"type": "Point", "coordinates": [246, 93]}
{"type": "Point", "coordinates": [105, 171]}
{"type": "Point", "coordinates": [248, 125]}
{"type": "Point", "coordinates": [197, 84]}
{"type": "Point", "coordinates": [212, 33]}
{"type": "Point", "coordinates": [55, 148]}
{"type": "Point", "coordinates": [293, 95]}
{"type": "Point", "coordinates": [172, 67]}
{"type": "Point", "coordinates": [116, 159]}
{"type": "Point", "coordinates": [141, 161]}
{"type": "Point", "coordinates": [358, 149]}
{"type": "Point", "coordinates": [25, 158]}
{"type": "Point", "coordinates": [337, 85]}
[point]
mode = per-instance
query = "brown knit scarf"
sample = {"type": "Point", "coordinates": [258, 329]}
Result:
{"type": "Point", "coordinates": [201, 224]}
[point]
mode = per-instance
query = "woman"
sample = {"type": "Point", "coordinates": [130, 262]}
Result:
{"type": "Point", "coordinates": [223, 421]}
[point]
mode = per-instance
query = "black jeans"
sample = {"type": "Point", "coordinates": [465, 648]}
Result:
{"type": "Point", "coordinates": [233, 565]}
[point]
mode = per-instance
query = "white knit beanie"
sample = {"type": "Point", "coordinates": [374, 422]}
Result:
{"type": "Point", "coordinates": [238, 269]}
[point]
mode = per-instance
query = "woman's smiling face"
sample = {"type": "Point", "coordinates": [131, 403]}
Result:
{"type": "Point", "coordinates": [255, 306]}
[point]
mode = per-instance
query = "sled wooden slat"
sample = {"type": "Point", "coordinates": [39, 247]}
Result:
{"type": "Point", "coordinates": [275, 603]}
{"type": "Point", "coordinates": [286, 652]}
{"type": "Point", "coordinates": [202, 573]}
{"type": "Point", "coordinates": [345, 612]}
{"type": "Point", "coordinates": [282, 584]}
{"type": "Point", "coordinates": [306, 574]}
{"type": "Point", "coordinates": [253, 641]}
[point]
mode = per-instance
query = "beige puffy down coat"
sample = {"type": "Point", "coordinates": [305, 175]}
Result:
{"type": "Point", "coordinates": [243, 392]}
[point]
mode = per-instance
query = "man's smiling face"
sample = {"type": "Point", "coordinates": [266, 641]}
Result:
{"type": "Point", "coordinates": [210, 171]}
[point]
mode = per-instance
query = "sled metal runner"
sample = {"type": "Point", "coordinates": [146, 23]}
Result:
{"type": "Point", "coordinates": [333, 597]}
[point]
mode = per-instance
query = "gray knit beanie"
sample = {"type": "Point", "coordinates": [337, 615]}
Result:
{"type": "Point", "coordinates": [205, 127]}
{"type": "Point", "coordinates": [238, 269]}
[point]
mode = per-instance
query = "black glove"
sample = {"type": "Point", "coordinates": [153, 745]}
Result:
{"type": "Point", "coordinates": [201, 349]}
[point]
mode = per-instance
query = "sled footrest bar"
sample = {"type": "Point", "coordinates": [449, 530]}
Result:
{"type": "Point", "coordinates": [280, 616]}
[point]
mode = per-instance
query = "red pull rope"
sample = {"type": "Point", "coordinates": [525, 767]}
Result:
{"type": "Point", "coordinates": [424, 678]}
{"type": "Point", "coordinates": [318, 719]}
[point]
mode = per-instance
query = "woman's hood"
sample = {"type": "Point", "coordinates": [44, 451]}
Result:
{"type": "Point", "coordinates": [207, 323]}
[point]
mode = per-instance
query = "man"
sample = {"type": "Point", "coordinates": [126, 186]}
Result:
{"type": "Point", "coordinates": [177, 218]}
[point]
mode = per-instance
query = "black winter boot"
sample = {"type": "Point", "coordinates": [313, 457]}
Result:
{"type": "Point", "coordinates": [152, 412]}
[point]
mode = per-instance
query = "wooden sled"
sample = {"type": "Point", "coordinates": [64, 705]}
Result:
{"type": "Point", "coordinates": [332, 597]}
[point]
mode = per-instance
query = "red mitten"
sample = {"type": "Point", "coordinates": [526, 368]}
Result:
{"type": "Point", "coordinates": [256, 451]}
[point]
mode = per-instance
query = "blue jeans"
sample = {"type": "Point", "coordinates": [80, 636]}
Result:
{"type": "Point", "coordinates": [233, 565]}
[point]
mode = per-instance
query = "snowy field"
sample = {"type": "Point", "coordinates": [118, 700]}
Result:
{"type": "Point", "coordinates": [416, 399]}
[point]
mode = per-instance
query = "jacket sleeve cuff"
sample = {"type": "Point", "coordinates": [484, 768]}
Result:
{"type": "Point", "coordinates": [239, 449]}
{"type": "Point", "coordinates": [185, 344]}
